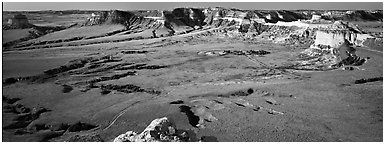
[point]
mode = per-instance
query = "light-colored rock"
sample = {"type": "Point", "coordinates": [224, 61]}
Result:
{"type": "Point", "coordinates": [336, 38]}
{"type": "Point", "coordinates": [315, 17]}
{"type": "Point", "coordinates": [126, 137]}
{"type": "Point", "coordinates": [159, 130]}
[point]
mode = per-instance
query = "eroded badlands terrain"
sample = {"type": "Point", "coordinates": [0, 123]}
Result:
{"type": "Point", "coordinates": [216, 74]}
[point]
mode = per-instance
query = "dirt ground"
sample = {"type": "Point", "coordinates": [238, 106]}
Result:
{"type": "Point", "coordinates": [222, 98]}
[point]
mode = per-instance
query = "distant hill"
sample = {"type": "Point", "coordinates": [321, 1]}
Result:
{"type": "Point", "coordinates": [186, 19]}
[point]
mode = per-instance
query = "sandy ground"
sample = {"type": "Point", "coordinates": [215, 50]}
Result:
{"type": "Point", "coordinates": [313, 106]}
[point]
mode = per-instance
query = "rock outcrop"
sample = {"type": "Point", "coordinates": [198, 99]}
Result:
{"type": "Point", "coordinates": [333, 47]}
{"type": "Point", "coordinates": [19, 21]}
{"type": "Point", "coordinates": [189, 16]}
{"type": "Point", "coordinates": [332, 50]}
{"type": "Point", "coordinates": [336, 38]}
{"type": "Point", "coordinates": [159, 130]}
{"type": "Point", "coordinates": [249, 25]}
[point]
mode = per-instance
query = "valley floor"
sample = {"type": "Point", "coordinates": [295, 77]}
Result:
{"type": "Point", "coordinates": [231, 98]}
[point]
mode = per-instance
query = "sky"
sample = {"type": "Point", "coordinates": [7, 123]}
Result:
{"type": "Point", "coordinates": [33, 6]}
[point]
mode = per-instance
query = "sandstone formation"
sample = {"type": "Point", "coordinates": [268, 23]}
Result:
{"type": "Point", "coordinates": [335, 39]}
{"type": "Point", "coordinates": [333, 47]}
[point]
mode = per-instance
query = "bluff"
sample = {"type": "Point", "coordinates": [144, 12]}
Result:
{"type": "Point", "coordinates": [334, 48]}
{"type": "Point", "coordinates": [125, 18]}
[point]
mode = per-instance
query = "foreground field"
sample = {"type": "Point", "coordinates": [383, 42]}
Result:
{"type": "Point", "coordinates": [231, 97]}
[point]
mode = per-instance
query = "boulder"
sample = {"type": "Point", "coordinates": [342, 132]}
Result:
{"type": "Point", "coordinates": [58, 126]}
{"type": "Point", "coordinates": [79, 126]}
{"type": "Point", "coordinates": [159, 130]}
{"type": "Point", "coordinates": [126, 137]}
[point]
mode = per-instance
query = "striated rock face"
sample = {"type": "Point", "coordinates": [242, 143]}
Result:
{"type": "Point", "coordinates": [336, 38]}
{"type": "Point", "coordinates": [248, 25]}
{"type": "Point", "coordinates": [329, 39]}
{"type": "Point", "coordinates": [159, 130]}
{"type": "Point", "coordinates": [189, 16]}
{"type": "Point", "coordinates": [336, 33]}
{"type": "Point", "coordinates": [116, 17]}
